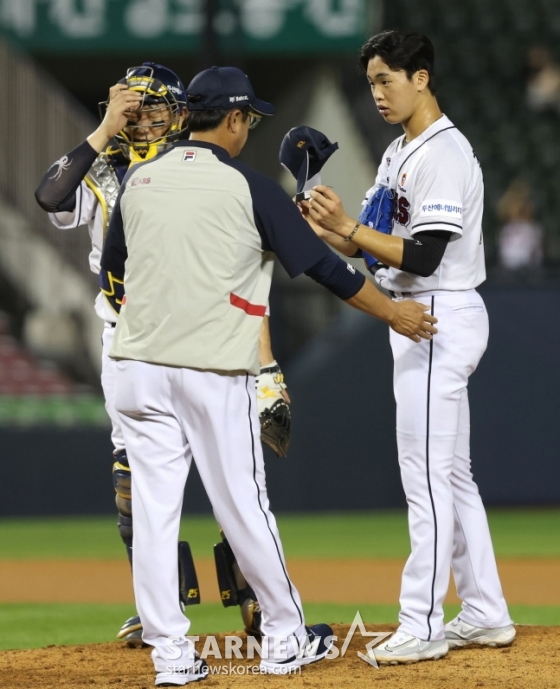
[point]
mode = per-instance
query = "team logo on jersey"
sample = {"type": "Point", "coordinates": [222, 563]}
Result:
{"type": "Point", "coordinates": [401, 214]}
{"type": "Point", "coordinates": [135, 181]}
{"type": "Point", "coordinates": [189, 156]}
{"type": "Point", "coordinates": [403, 179]}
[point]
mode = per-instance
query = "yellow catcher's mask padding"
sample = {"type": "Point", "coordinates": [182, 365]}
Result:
{"type": "Point", "coordinates": [147, 85]}
{"type": "Point", "coordinates": [137, 157]}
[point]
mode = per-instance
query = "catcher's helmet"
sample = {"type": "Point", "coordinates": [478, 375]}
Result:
{"type": "Point", "coordinates": [161, 89]}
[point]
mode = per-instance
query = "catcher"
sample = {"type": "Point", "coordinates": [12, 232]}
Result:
{"type": "Point", "coordinates": [144, 115]}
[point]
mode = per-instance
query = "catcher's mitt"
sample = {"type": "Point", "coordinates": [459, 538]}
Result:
{"type": "Point", "coordinates": [274, 412]}
{"type": "Point", "coordinates": [377, 213]}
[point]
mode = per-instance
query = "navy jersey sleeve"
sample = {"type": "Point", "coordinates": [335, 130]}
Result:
{"type": "Point", "coordinates": [337, 276]}
{"type": "Point", "coordinates": [113, 259]}
{"type": "Point", "coordinates": [282, 227]}
{"type": "Point", "coordinates": [115, 253]}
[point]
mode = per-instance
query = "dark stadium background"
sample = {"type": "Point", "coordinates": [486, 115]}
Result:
{"type": "Point", "coordinates": [56, 447]}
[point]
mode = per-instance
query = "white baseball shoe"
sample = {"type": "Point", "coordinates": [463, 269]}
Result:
{"type": "Point", "coordinates": [178, 676]}
{"type": "Point", "coordinates": [405, 648]}
{"type": "Point", "coordinates": [460, 634]}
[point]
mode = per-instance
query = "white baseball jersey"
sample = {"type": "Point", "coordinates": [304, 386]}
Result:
{"type": "Point", "coordinates": [439, 186]}
{"type": "Point", "coordinates": [438, 182]}
{"type": "Point", "coordinates": [88, 211]}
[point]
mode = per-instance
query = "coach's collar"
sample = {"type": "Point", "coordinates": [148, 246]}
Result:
{"type": "Point", "coordinates": [219, 151]}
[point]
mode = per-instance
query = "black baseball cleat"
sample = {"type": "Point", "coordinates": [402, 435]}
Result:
{"type": "Point", "coordinates": [131, 633]}
{"type": "Point", "coordinates": [314, 647]}
{"type": "Point", "coordinates": [180, 675]}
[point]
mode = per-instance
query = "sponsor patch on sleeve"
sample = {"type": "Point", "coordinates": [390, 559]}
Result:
{"type": "Point", "coordinates": [441, 207]}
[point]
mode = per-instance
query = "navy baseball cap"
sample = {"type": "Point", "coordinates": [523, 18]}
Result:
{"type": "Point", "coordinates": [224, 88]}
{"type": "Point", "coordinates": [304, 151]}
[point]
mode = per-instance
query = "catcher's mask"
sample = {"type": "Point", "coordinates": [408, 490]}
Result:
{"type": "Point", "coordinates": [163, 102]}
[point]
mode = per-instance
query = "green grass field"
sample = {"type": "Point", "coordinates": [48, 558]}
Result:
{"type": "Point", "coordinates": [531, 533]}
{"type": "Point", "coordinates": [516, 533]}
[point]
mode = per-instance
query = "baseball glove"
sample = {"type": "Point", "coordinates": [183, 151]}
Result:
{"type": "Point", "coordinates": [377, 213]}
{"type": "Point", "coordinates": [274, 412]}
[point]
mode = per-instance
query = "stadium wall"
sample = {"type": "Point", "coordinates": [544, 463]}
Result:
{"type": "Point", "coordinates": [343, 452]}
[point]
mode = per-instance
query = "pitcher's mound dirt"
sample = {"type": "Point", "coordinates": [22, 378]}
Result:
{"type": "Point", "coordinates": [533, 662]}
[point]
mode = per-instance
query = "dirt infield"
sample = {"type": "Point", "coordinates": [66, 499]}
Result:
{"type": "Point", "coordinates": [533, 662]}
{"type": "Point", "coordinates": [529, 582]}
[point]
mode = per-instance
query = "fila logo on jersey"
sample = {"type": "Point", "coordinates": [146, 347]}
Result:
{"type": "Point", "coordinates": [189, 156]}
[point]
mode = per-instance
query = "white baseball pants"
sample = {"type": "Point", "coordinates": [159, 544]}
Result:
{"type": "Point", "coordinates": [108, 369]}
{"type": "Point", "coordinates": [171, 416]}
{"type": "Point", "coordinates": [447, 521]}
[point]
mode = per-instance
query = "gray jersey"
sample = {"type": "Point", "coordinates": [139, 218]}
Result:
{"type": "Point", "coordinates": [192, 235]}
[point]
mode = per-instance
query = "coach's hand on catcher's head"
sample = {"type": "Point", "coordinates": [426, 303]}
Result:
{"type": "Point", "coordinates": [411, 320]}
{"type": "Point", "coordinates": [121, 101]}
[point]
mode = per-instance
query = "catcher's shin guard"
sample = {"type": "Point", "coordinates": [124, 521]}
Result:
{"type": "Point", "coordinates": [131, 631]}
{"type": "Point", "coordinates": [189, 593]}
{"type": "Point", "coordinates": [234, 589]}
{"type": "Point", "coordinates": [121, 483]}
